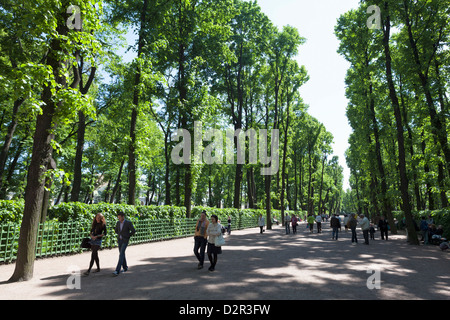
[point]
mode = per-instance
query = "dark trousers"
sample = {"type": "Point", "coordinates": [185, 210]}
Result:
{"type": "Point", "coordinates": [319, 227]}
{"type": "Point", "coordinates": [354, 238]}
{"type": "Point", "coordinates": [200, 244]}
{"type": "Point", "coordinates": [366, 236]}
{"type": "Point", "coordinates": [384, 232]}
{"type": "Point", "coordinates": [212, 259]}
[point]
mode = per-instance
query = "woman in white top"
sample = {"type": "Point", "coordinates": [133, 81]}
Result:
{"type": "Point", "coordinates": [261, 223]}
{"type": "Point", "coordinates": [214, 230]}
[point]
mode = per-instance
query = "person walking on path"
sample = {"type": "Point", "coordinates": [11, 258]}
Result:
{"type": "Point", "coordinates": [336, 225]}
{"type": "Point", "coordinates": [352, 223]}
{"type": "Point", "coordinates": [261, 223]}
{"type": "Point", "coordinates": [294, 224]}
{"type": "Point", "coordinates": [214, 230]}
{"type": "Point", "coordinates": [98, 231]}
{"type": "Point", "coordinates": [201, 238]}
{"type": "Point", "coordinates": [365, 226]}
{"type": "Point", "coordinates": [424, 230]}
{"type": "Point", "coordinates": [372, 232]}
{"type": "Point", "coordinates": [319, 223]}
{"type": "Point", "coordinates": [383, 227]}
{"type": "Point", "coordinates": [124, 230]}
{"type": "Point", "coordinates": [310, 219]}
{"type": "Point", "coordinates": [229, 225]}
{"type": "Point", "coordinates": [287, 222]}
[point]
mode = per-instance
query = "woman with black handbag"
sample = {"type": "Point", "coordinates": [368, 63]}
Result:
{"type": "Point", "coordinates": [98, 231]}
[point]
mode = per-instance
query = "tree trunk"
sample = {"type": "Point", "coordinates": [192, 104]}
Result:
{"type": "Point", "coordinates": [384, 189]}
{"type": "Point", "coordinates": [167, 200]}
{"type": "Point", "coordinates": [8, 138]}
{"type": "Point", "coordinates": [40, 160]}
{"type": "Point", "coordinates": [77, 176]}
{"type": "Point", "coordinates": [134, 114]}
{"type": "Point", "coordinates": [117, 185]}
{"type": "Point", "coordinates": [321, 184]}
{"type": "Point", "coordinates": [400, 138]}
{"type": "Point", "coordinates": [437, 127]}
{"type": "Point", "coordinates": [283, 170]}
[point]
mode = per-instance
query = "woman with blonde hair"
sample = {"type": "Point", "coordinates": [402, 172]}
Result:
{"type": "Point", "coordinates": [98, 231]}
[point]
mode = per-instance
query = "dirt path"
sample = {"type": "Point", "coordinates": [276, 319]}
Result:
{"type": "Point", "coordinates": [257, 266]}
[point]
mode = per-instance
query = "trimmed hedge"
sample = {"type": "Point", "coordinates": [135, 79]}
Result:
{"type": "Point", "coordinates": [81, 212]}
{"type": "Point", "coordinates": [12, 211]}
{"type": "Point", "coordinates": [68, 223]}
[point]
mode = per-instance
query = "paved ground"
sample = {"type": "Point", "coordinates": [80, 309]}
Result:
{"type": "Point", "coordinates": [271, 266]}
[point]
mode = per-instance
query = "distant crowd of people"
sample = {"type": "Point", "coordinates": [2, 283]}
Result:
{"type": "Point", "coordinates": [350, 222]}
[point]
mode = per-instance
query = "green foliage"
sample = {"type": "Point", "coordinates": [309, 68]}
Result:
{"type": "Point", "coordinates": [419, 61]}
{"type": "Point", "coordinates": [213, 61]}
{"type": "Point", "coordinates": [85, 213]}
{"type": "Point", "coordinates": [11, 211]}
{"type": "Point", "coordinates": [440, 217]}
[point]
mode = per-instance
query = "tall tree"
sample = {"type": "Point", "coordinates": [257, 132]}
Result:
{"type": "Point", "coordinates": [59, 100]}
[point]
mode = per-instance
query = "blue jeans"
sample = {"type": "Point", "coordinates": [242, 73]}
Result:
{"type": "Point", "coordinates": [123, 244]}
{"type": "Point", "coordinates": [335, 232]}
{"type": "Point", "coordinates": [288, 229]}
{"type": "Point", "coordinates": [200, 243]}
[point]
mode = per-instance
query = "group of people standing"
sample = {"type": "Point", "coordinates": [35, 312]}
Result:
{"type": "Point", "coordinates": [351, 221]}
{"type": "Point", "coordinates": [291, 220]}
{"type": "Point", "coordinates": [428, 229]}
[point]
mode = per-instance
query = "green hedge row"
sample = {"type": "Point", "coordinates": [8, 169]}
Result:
{"type": "Point", "coordinates": [12, 211]}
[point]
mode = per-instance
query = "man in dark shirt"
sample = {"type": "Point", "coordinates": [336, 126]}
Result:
{"type": "Point", "coordinates": [335, 224]}
{"type": "Point", "coordinates": [383, 227]}
{"type": "Point", "coordinates": [124, 229]}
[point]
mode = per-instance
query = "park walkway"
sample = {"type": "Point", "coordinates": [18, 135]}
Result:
{"type": "Point", "coordinates": [253, 266]}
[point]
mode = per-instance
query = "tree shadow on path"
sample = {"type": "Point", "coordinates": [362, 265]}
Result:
{"type": "Point", "coordinates": [276, 266]}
